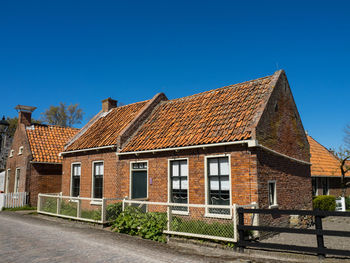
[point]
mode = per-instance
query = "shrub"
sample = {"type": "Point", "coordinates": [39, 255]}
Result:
{"type": "Point", "coordinates": [324, 202]}
{"type": "Point", "coordinates": [113, 211]}
{"type": "Point", "coordinates": [133, 221]}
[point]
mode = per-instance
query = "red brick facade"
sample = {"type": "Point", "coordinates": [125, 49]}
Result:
{"type": "Point", "coordinates": [86, 160]}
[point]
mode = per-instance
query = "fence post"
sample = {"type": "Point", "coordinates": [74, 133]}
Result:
{"type": "Point", "coordinates": [169, 211]}
{"type": "Point", "coordinates": [58, 211]}
{"type": "Point", "coordinates": [240, 231]}
{"type": "Point", "coordinates": [123, 204]}
{"type": "Point", "coordinates": [235, 232]}
{"type": "Point", "coordinates": [103, 212]}
{"type": "Point", "coordinates": [320, 241]}
{"type": "Point", "coordinates": [79, 208]}
{"type": "Point", "coordinates": [38, 208]}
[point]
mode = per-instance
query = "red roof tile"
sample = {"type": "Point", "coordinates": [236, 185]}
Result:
{"type": "Point", "coordinates": [324, 163]}
{"type": "Point", "coordinates": [221, 115]}
{"type": "Point", "coordinates": [47, 141]}
{"type": "Point", "coordinates": [104, 131]}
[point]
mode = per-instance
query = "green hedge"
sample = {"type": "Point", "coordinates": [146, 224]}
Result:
{"type": "Point", "coordinates": [324, 202]}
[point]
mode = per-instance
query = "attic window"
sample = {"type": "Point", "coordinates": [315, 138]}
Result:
{"type": "Point", "coordinates": [12, 152]}
{"type": "Point", "coordinates": [20, 150]}
{"type": "Point", "coordinates": [276, 107]}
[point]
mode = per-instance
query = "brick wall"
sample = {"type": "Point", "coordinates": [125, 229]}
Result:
{"type": "Point", "coordinates": [86, 159]}
{"type": "Point", "coordinates": [280, 126]}
{"type": "Point", "coordinates": [44, 178]}
{"type": "Point", "coordinates": [243, 173]}
{"type": "Point", "coordinates": [334, 186]}
{"type": "Point", "coordinates": [19, 161]}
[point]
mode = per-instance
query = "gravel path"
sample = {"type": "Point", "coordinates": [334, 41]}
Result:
{"type": "Point", "coordinates": [27, 238]}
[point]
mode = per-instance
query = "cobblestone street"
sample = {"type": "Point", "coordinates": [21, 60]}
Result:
{"type": "Point", "coordinates": [26, 238]}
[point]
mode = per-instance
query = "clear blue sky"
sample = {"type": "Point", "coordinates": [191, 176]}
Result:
{"type": "Point", "coordinates": [85, 51]}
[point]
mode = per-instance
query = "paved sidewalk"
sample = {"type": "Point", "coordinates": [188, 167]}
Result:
{"type": "Point", "coordinates": [26, 238]}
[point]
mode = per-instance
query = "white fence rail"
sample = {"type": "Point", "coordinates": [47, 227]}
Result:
{"type": "Point", "coordinates": [13, 200]}
{"type": "Point", "coordinates": [217, 222]}
{"type": "Point", "coordinates": [78, 208]}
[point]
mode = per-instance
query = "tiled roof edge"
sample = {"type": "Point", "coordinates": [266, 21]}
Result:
{"type": "Point", "coordinates": [83, 130]}
{"type": "Point", "coordinates": [275, 77]}
{"type": "Point", "coordinates": [132, 128]}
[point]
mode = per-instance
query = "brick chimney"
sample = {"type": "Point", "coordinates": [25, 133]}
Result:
{"type": "Point", "coordinates": [25, 114]}
{"type": "Point", "coordinates": [108, 104]}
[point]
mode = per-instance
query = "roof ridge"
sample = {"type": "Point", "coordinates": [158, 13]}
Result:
{"type": "Point", "coordinates": [221, 88]}
{"type": "Point", "coordinates": [52, 125]}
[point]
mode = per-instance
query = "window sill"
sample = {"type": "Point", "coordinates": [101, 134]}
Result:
{"type": "Point", "coordinates": [273, 206]}
{"type": "Point", "coordinates": [218, 216]}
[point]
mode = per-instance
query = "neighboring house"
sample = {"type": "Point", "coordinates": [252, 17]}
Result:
{"type": "Point", "coordinates": [325, 170]}
{"type": "Point", "coordinates": [34, 165]}
{"type": "Point", "coordinates": [5, 143]}
{"type": "Point", "coordinates": [237, 144]}
{"type": "Point", "coordinates": [89, 159]}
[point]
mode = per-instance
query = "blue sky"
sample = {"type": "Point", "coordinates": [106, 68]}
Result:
{"type": "Point", "coordinates": [85, 51]}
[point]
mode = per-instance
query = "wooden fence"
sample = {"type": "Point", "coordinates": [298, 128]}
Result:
{"type": "Point", "coordinates": [13, 200]}
{"type": "Point", "coordinates": [320, 250]}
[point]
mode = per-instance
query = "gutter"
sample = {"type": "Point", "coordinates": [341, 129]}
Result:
{"type": "Point", "coordinates": [250, 143]}
{"type": "Point", "coordinates": [88, 149]}
{"type": "Point", "coordinates": [33, 162]}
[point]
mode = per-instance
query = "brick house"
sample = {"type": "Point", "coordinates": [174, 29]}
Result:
{"type": "Point", "coordinates": [33, 164]}
{"type": "Point", "coordinates": [325, 170]}
{"type": "Point", "coordinates": [237, 144]}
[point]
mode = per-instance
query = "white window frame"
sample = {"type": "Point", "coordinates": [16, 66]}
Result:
{"type": "Point", "coordinates": [71, 178]}
{"type": "Point", "coordinates": [8, 175]}
{"type": "Point", "coordinates": [130, 177]}
{"type": "Point", "coordinates": [17, 178]}
{"type": "Point", "coordinates": [327, 182]}
{"type": "Point", "coordinates": [96, 202]}
{"type": "Point", "coordinates": [20, 150]}
{"type": "Point", "coordinates": [207, 213]}
{"type": "Point", "coordinates": [188, 184]}
{"type": "Point", "coordinates": [11, 153]}
{"type": "Point", "coordinates": [275, 202]}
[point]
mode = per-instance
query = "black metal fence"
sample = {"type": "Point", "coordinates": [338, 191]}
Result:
{"type": "Point", "coordinates": [319, 233]}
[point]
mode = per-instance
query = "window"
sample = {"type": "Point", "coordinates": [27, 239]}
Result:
{"type": "Point", "coordinates": [76, 172]}
{"type": "Point", "coordinates": [20, 150]}
{"type": "Point", "coordinates": [7, 181]}
{"type": "Point", "coordinates": [218, 184]}
{"type": "Point", "coordinates": [314, 186]}
{"type": "Point", "coordinates": [272, 193]}
{"type": "Point", "coordinates": [97, 180]}
{"type": "Point", "coordinates": [11, 153]}
{"type": "Point", "coordinates": [179, 183]}
{"type": "Point", "coordinates": [16, 186]}
{"type": "Point", "coordinates": [325, 186]}
{"type": "Point", "coordinates": [138, 180]}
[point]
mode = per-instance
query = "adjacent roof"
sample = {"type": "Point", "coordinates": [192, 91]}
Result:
{"type": "Point", "coordinates": [106, 127]}
{"type": "Point", "coordinates": [47, 141]}
{"type": "Point", "coordinates": [221, 115]}
{"type": "Point", "coordinates": [324, 163]}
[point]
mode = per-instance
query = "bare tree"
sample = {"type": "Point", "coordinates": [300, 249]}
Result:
{"type": "Point", "coordinates": [63, 115]}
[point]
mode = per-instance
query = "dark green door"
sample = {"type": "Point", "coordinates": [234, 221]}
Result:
{"type": "Point", "coordinates": [138, 184]}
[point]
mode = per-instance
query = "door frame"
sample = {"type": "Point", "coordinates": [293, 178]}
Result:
{"type": "Point", "coordinates": [130, 178]}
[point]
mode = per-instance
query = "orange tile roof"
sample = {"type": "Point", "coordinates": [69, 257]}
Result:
{"type": "Point", "coordinates": [47, 141]}
{"type": "Point", "coordinates": [220, 115]}
{"type": "Point", "coordinates": [324, 163]}
{"type": "Point", "coordinates": [105, 130]}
